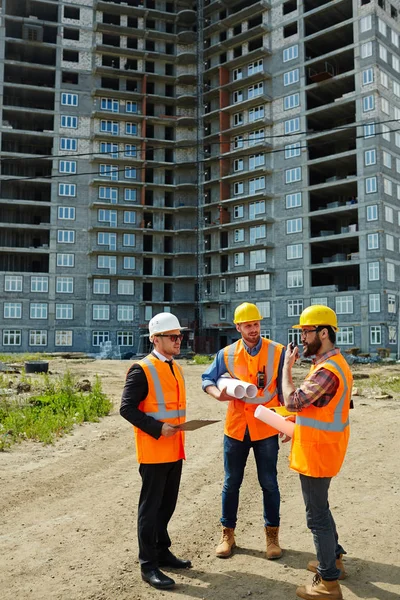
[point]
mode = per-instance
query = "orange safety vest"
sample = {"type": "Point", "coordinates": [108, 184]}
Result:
{"type": "Point", "coordinates": [241, 365]}
{"type": "Point", "coordinates": [166, 402]}
{"type": "Point", "coordinates": [321, 434]}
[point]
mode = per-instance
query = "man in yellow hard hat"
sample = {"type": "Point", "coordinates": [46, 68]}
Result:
{"type": "Point", "coordinates": [320, 440]}
{"type": "Point", "coordinates": [258, 361]}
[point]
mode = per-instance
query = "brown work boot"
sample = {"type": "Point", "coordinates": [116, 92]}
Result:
{"type": "Point", "coordinates": [273, 549]}
{"type": "Point", "coordinates": [320, 590]}
{"type": "Point", "coordinates": [313, 564]}
{"type": "Point", "coordinates": [227, 543]}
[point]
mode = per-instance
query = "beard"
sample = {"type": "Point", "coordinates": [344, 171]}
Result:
{"type": "Point", "coordinates": [312, 348]}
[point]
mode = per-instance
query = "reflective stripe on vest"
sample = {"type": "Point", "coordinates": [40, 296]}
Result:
{"type": "Point", "coordinates": [266, 396]}
{"type": "Point", "coordinates": [162, 412]}
{"type": "Point", "coordinates": [337, 424]}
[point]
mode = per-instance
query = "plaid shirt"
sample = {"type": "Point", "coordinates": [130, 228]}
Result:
{"type": "Point", "coordinates": [319, 389]}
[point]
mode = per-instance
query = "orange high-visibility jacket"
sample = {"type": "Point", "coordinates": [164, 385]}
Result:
{"type": "Point", "coordinates": [321, 434]}
{"type": "Point", "coordinates": [165, 401]}
{"type": "Point", "coordinates": [241, 365]}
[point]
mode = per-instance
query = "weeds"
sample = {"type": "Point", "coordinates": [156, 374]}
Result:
{"type": "Point", "coordinates": [21, 358]}
{"type": "Point", "coordinates": [51, 412]}
{"type": "Point", "coordinates": [202, 359]}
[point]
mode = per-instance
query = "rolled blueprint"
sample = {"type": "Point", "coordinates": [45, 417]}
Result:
{"type": "Point", "coordinates": [276, 421]}
{"type": "Point", "coordinates": [237, 388]}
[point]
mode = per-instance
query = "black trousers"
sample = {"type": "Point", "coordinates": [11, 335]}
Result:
{"type": "Point", "coordinates": [157, 502]}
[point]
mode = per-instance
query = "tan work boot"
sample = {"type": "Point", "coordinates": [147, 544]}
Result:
{"type": "Point", "coordinates": [227, 543]}
{"type": "Point", "coordinates": [313, 564]}
{"type": "Point", "coordinates": [320, 590]}
{"type": "Point", "coordinates": [273, 549]}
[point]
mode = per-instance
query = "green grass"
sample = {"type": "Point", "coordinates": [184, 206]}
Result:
{"type": "Point", "coordinates": [50, 413]}
{"type": "Point", "coordinates": [380, 384]}
{"type": "Point", "coordinates": [202, 359]}
{"type": "Point", "coordinates": [21, 358]}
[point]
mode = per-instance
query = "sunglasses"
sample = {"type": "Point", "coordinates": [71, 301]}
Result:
{"type": "Point", "coordinates": [172, 336]}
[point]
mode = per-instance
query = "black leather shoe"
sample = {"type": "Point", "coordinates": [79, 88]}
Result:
{"type": "Point", "coordinates": [158, 579]}
{"type": "Point", "coordinates": [170, 560]}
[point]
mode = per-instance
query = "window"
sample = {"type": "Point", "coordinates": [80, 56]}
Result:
{"type": "Point", "coordinates": [109, 127]}
{"type": "Point", "coordinates": [384, 79]}
{"type": "Point", "coordinates": [365, 23]}
{"type": "Point", "coordinates": [368, 103]}
{"type": "Point", "coordinates": [131, 128]}
{"type": "Point", "coordinates": [373, 271]}
{"type": "Point", "coordinates": [108, 194]}
{"type": "Point", "coordinates": [124, 313]}
{"type": "Point", "coordinates": [64, 312]}
{"type": "Point", "coordinates": [263, 282]}
{"type": "Point", "coordinates": [38, 310]}
{"type": "Point", "coordinates": [292, 175]}
{"type": "Point", "coordinates": [255, 90]}
{"type": "Point", "coordinates": [126, 287]}
{"type": "Point", "coordinates": [373, 241]}
{"type": "Point", "coordinates": [257, 233]}
{"type": "Point", "coordinates": [107, 216]}
{"type": "Point", "coordinates": [385, 132]}
{"type": "Point", "coordinates": [344, 305]}
{"type": "Point", "coordinates": [107, 239]}
{"type": "Point", "coordinates": [264, 308]}
{"type": "Point", "coordinates": [66, 212]}
{"type": "Point", "coordinates": [256, 208]}
{"type": "Point", "coordinates": [69, 144]}
{"type": "Point", "coordinates": [64, 285]}
{"type": "Point", "coordinates": [242, 284]}
{"type": "Point", "coordinates": [109, 171]}
{"type": "Point", "coordinates": [65, 260]}
{"type": "Point", "coordinates": [222, 286]}
{"type": "Point", "coordinates": [374, 303]}
{"type": "Point", "coordinates": [39, 284]}
{"type": "Point", "coordinates": [67, 189]}
{"type": "Point", "coordinates": [369, 130]}
{"type": "Point", "coordinates": [396, 89]}
{"type": "Point", "coordinates": [130, 173]}
{"type": "Point", "coordinates": [107, 262]}
{"type": "Point", "coordinates": [294, 308]}
{"type": "Point", "coordinates": [323, 301]}
{"type": "Point", "coordinates": [387, 186]}
{"type": "Point", "coordinates": [13, 283]}
{"type": "Point", "coordinates": [109, 104]}
{"type": "Point", "coordinates": [237, 96]}
{"type": "Point", "coordinates": [238, 142]}
{"type": "Point", "coordinates": [237, 74]}
{"type": "Point", "coordinates": [255, 114]}
{"type": "Point", "coordinates": [294, 225]}
{"type": "Point", "coordinates": [295, 278]}
{"type": "Point", "coordinates": [101, 312]}
{"type": "Point", "coordinates": [385, 106]}
{"type": "Point", "coordinates": [130, 195]}
{"type": "Point", "coordinates": [63, 338]}
{"type": "Point", "coordinates": [255, 137]}
{"type": "Point", "coordinates": [101, 286]}
{"type": "Point", "coordinates": [395, 38]}
{"type": "Point", "coordinates": [291, 77]}
{"type": "Point", "coordinates": [391, 303]}
{"type": "Point", "coordinates": [69, 99]}
{"type": "Point", "coordinates": [389, 242]}
{"type": "Point", "coordinates": [238, 164]}
{"type": "Point", "coordinates": [366, 49]}
{"type": "Point", "coordinates": [291, 101]}
{"type": "Point", "coordinates": [69, 122]}
{"type": "Point", "coordinates": [292, 125]}
{"type": "Point", "coordinates": [222, 312]}
{"type": "Point", "coordinates": [238, 235]}
{"type": "Point", "coordinates": [100, 337]}
{"type": "Point", "coordinates": [292, 150]}
{"type": "Point", "coordinates": [370, 157]}
{"type": "Point", "coordinates": [67, 166]}
{"type": "Point", "coordinates": [372, 212]}
{"type": "Point", "coordinates": [37, 337]}
{"type": "Point", "coordinates": [390, 271]}
{"type": "Point", "coordinates": [12, 310]}
{"type": "Point", "coordinates": [109, 148]}
{"type": "Point", "coordinates": [291, 53]}
{"type": "Point", "coordinates": [238, 119]}
{"type": "Point", "coordinates": [65, 236]}
{"type": "Point", "coordinates": [389, 214]}
{"type": "Point", "coordinates": [131, 107]}
{"type": "Point", "coordinates": [255, 67]}
{"type": "Point", "coordinates": [130, 150]}
{"type": "Point", "coordinates": [375, 335]}
{"type": "Point", "coordinates": [11, 337]}
{"type": "Point", "coordinates": [238, 188]}
{"type": "Point", "coordinates": [382, 27]}
{"type": "Point", "coordinates": [124, 338]}
{"type": "Point", "coordinates": [129, 239]}
{"type": "Point", "coordinates": [382, 52]}
{"type": "Point", "coordinates": [345, 336]}
{"type": "Point", "coordinates": [370, 185]}
{"type": "Point", "coordinates": [130, 217]}
{"type": "Point", "coordinates": [238, 211]}
{"type": "Point", "coordinates": [256, 185]}
{"type": "Point", "coordinates": [294, 336]}
{"type": "Point", "coordinates": [294, 251]}
{"type": "Point", "coordinates": [293, 200]}
{"type": "Point", "coordinates": [257, 257]}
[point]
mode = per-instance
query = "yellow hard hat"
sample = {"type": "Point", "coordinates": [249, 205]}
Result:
{"type": "Point", "coordinates": [246, 312]}
{"type": "Point", "coordinates": [317, 315]}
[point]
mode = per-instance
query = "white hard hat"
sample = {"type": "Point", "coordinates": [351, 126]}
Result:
{"type": "Point", "coordinates": [163, 322]}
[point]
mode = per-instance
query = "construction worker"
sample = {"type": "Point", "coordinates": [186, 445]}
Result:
{"type": "Point", "coordinates": [320, 440]}
{"type": "Point", "coordinates": [259, 361]}
{"type": "Point", "coordinates": [154, 402]}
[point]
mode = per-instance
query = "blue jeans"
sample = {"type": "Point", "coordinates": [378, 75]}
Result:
{"type": "Point", "coordinates": [322, 525]}
{"type": "Point", "coordinates": [235, 457]}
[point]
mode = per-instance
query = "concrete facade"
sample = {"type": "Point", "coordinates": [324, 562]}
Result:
{"type": "Point", "coordinates": [165, 156]}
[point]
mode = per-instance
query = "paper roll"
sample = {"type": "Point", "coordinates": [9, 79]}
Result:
{"type": "Point", "coordinates": [233, 387]}
{"type": "Point", "coordinates": [276, 421]}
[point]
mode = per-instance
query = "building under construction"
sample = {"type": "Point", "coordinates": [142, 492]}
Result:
{"type": "Point", "coordinates": [189, 156]}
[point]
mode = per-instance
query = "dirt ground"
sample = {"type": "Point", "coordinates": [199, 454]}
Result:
{"type": "Point", "coordinates": [68, 511]}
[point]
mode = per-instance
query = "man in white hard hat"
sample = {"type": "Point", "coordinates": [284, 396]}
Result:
{"type": "Point", "coordinates": [259, 361]}
{"type": "Point", "coordinates": [154, 402]}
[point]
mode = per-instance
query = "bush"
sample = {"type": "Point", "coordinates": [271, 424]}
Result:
{"type": "Point", "coordinates": [51, 413]}
{"type": "Point", "coordinates": [202, 359]}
